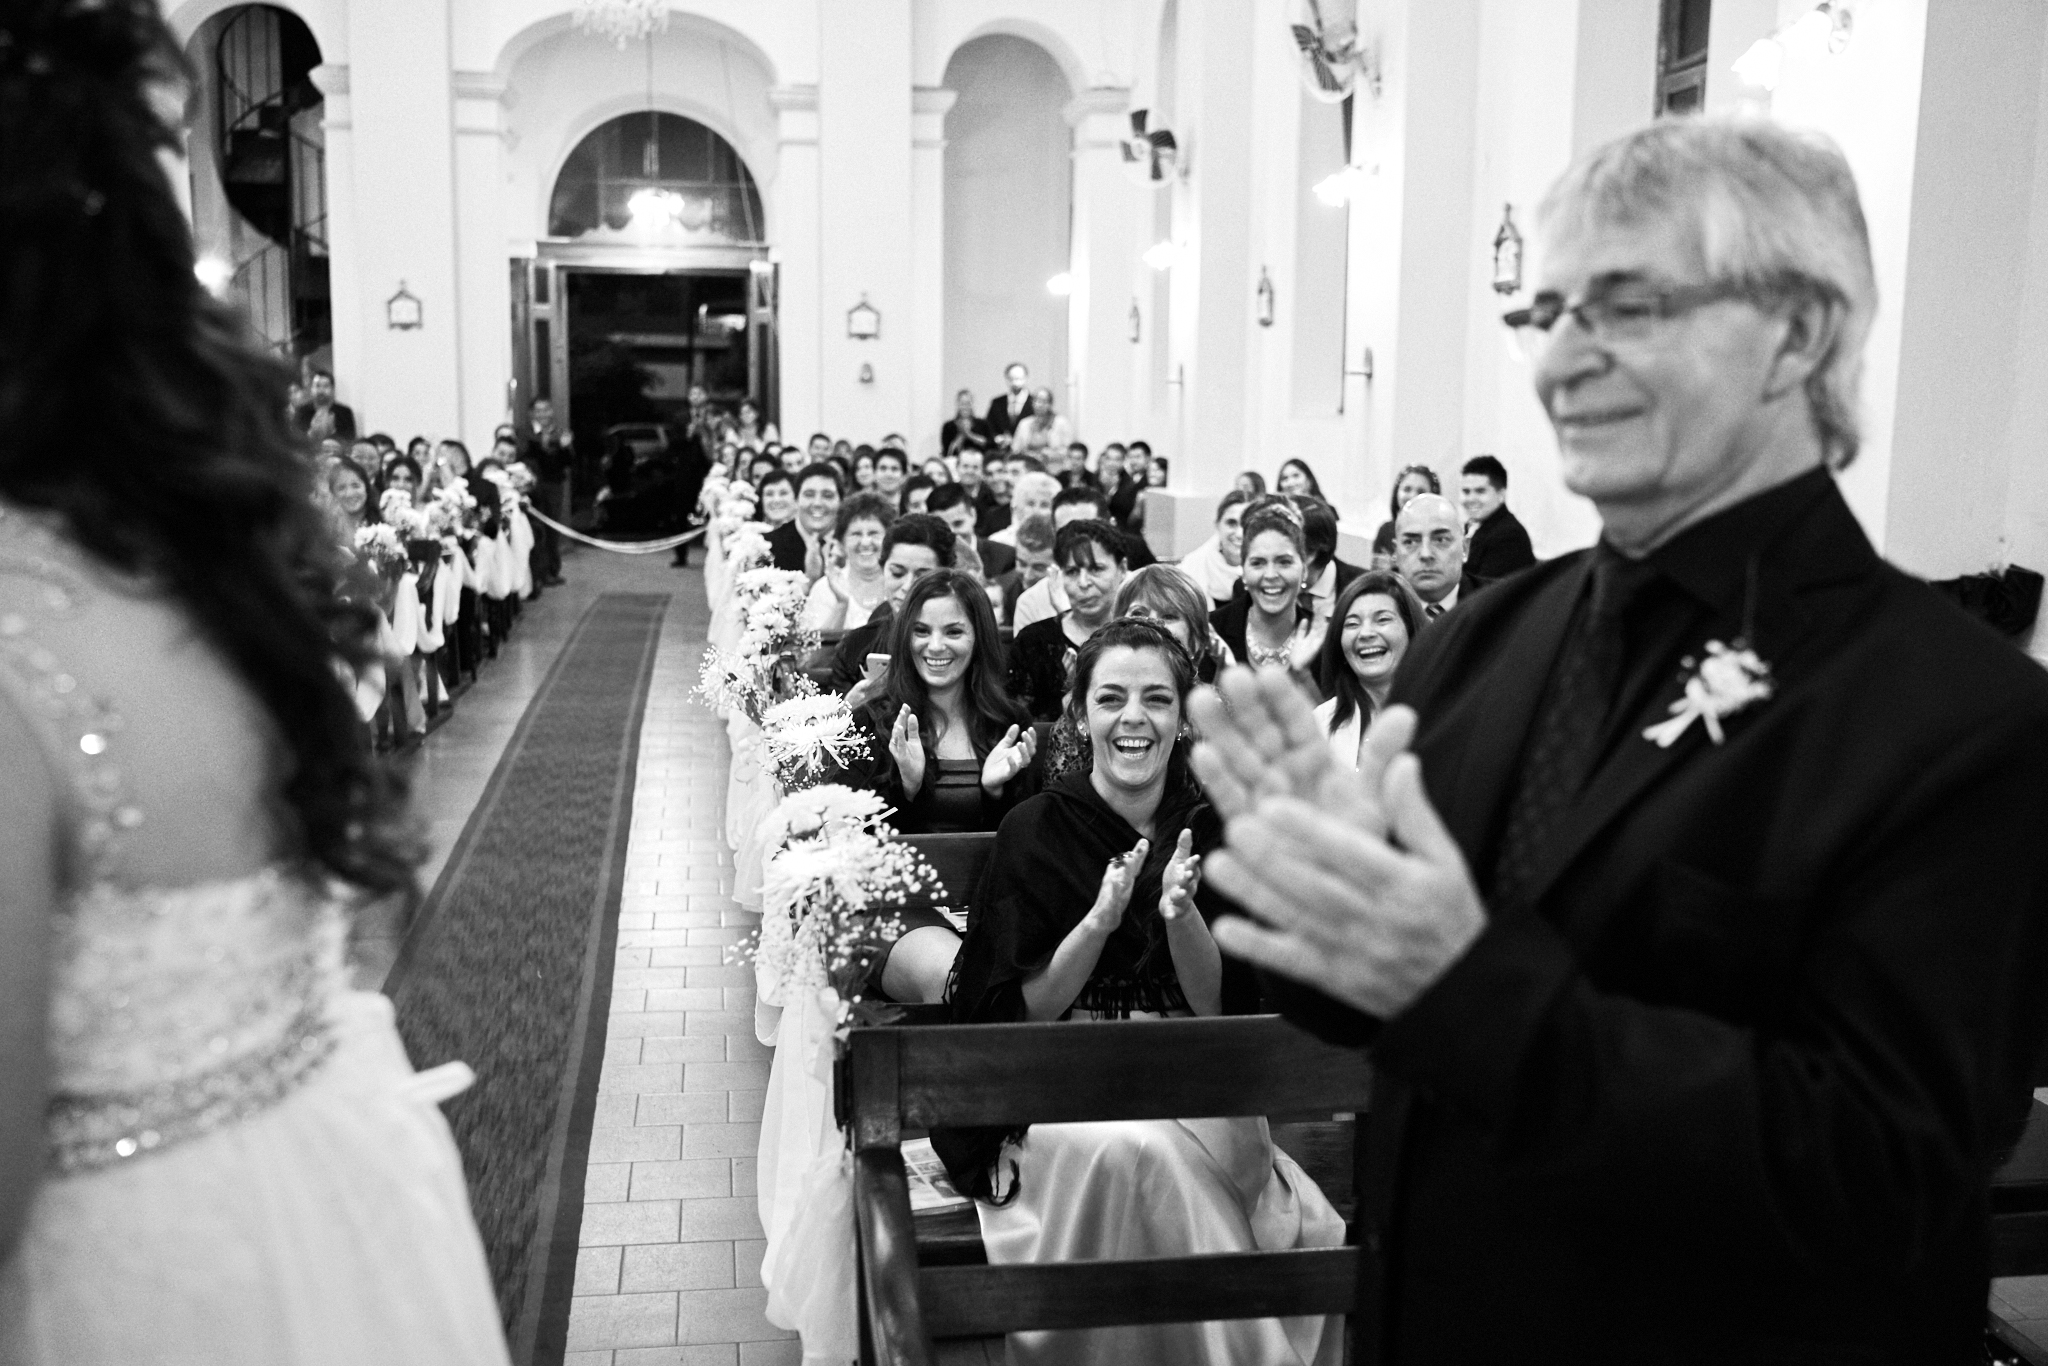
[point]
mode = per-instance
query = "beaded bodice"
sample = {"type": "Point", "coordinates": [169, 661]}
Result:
{"type": "Point", "coordinates": [173, 1010]}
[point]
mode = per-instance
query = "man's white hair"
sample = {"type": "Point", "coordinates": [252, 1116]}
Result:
{"type": "Point", "coordinates": [1035, 481]}
{"type": "Point", "coordinates": [1774, 210]}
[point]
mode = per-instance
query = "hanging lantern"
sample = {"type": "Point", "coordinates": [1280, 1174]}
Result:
{"type": "Point", "coordinates": [1265, 298]}
{"type": "Point", "coordinates": [1507, 254]}
{"type": "Point", "coordinates": [863, 320]}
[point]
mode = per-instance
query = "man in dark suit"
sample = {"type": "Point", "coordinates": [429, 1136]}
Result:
{"type": "Point", "coordinates": [799, 543]}
{"type": "Point", "coordinates": [954, 505]}
{"type": "Point", "coordinates": [1497, 544]}
{"type": "Point", "coordinates": [1697, 928]}
{"type": "Point", "coordinates": [1011, 406]}
{"type": "Point", "coordinates": [323, 417]}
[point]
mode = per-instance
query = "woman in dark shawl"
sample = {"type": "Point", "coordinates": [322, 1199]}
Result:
{"type": "Point", "coordinates": [1091, 907]}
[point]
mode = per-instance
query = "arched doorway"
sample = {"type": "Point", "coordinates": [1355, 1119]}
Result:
{"type": "Point", "coordinates": [652, 281]}
{"type": "Point", "coordinates": [259, 174]}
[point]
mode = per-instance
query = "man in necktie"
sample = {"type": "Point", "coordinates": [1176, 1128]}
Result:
{"type": "Point", "coordinates": [1690, 895]}
{"type": "Point", "coordinates": [1429, 550]}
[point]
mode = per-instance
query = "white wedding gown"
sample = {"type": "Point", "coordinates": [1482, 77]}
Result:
{"type": "Point", "coordinates": [241, 1165]}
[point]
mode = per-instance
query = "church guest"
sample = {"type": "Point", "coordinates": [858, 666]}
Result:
{"type": "Point", "coordinates": [451, 458]}
{"type": "Point", "coordinates": [853, 584]}
{"type": "Point", "coordinates": [801, 542]}
{"type": "Point", "coordinates": [1034, 561]}
{"type": "Point", "coordinates": [323, 417]}
{"type": "Point", "coordinates": [1429, 551]}
{"type": "Point", "coordinates": [1217, 563]}
{"type": "Point", "coordinates": [953, 504]}
{"type": "Point", "coordinates": [1375, 619]}
{"type": "Point", "coordinates": [749, 431]}
{"type": "Point", "coordinates": [778, 498]}
{"type": "Point", "coordinates": [1010, 407]}
{"type": "Point", "coordinates": [1327, 575]}
{"type": "Point", "coordinates": [1717, 1027]}
{"type": "Point", "coordinates": [1296, 477]}
{"type": "Point", "coordinates": [1049, 597]}
{"type": "Point", "coordinates": [947, 743]}
{"type": "Point", "coordinates": [913, 545]}
{"type": "Point", "coordinates": [916, 489]}
{"type": "Point", "coordinates": [1120, 487]}
{"type": "Point", "coordinates": [1093, 907]}
{"type": "Point", "coordinates": [1270, 626]}
{"type": "Point", "coordinates": [548, 452]}
{"type": "Point", "coordinates": [892, 467]}
{"type": "Point", "coordinates": [963, 431]}
{"type": "Point", "coordinates": [350, 486]}
{"type": "Point", "coordinates": [863, 468]}
{"type": "Point", "coordinates": [937, 470]}
{"type": "Point", "coordinates": [816, 449]}
{"type": "Point", "coordinates": [795, 458]}
{"type": "Point", "coordinates": [1030, 492]}
{"type": "Point", "coordinates": [1088, 556]}
{"type": "Point", "coordinates": [1411, 482]}
{"type": "Point", "coordinates": [1497, 544]}
{"type": "Point", "coordinates": [761, 466]}
{"type": "Point", "coordinates": [1251, 483]}
{"type": "Point", "coordinates": [995, 513]}
{"type": "Point", "coordinates": [403, 473]}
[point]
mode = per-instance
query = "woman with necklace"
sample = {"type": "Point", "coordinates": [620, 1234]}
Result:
{"type": "Point", "coordinates": [1269, 625]}
{"type": "Point", "coordinates": [1089, 557]}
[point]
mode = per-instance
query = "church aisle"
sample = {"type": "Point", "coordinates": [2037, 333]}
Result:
{"type": "Point", "coordinates": [668, 1273]}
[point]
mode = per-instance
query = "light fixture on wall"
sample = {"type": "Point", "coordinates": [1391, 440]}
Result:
{"type": "Point", "coordinates": [1137, 323]}
{"type": "Point", "coordinates": [1827, 27]}
{"type": "Point", "coordinates": [863, 321]}
{"type": "Point", "coordinates": [867, 373]}
{"type": "Point", "coordinates": [1265, 292]}
{"type": "Point", "coordinates": [622, 21]}
{"type": "Point", "coordinates": [1160, 255]}
{"type": "Point", "coordinates": [1507, 254]}
{"type": "Point", "coordinates": [1060, 285]}
{"type": "Point", "coordinates": [1341, 187]}
{"type": "Point", "coordinates": [402, 311]}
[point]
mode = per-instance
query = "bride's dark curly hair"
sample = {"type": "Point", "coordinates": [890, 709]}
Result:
{"type": "Point", "coordinates": [139, 410]}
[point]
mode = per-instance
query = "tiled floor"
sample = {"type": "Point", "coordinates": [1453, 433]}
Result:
{"type": "Point", "coordinates": [669, 1272]}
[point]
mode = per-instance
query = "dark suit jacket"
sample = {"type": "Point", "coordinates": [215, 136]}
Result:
{"type": "Point", "coordinates": [1000, 420]}
{"type": "Point", "coordinates": [971, 434]}
{"type": "Point", "coordinates": [788, 545]}
{"type": "Point", "coordinates": [997, 559]}
{"type": "Point", "coordinates": [344, 420]}
{"type": "Point", "coordinates": [1732, 1089]}
{"type": "Point", "coordinates": [1500, 546]}
{"type": "Point", "coordinates": [990, 517]}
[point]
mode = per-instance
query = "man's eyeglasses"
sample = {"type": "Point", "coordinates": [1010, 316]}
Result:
{"type": "Point", "coordinates": [1626, 314]}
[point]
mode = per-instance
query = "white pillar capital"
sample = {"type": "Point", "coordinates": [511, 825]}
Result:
{"type": "Point", "coordinates": [1099, 115]}
{"type": "Point", "coordinates": [331, 78]}
{"type": "Point", "coordinates": [796, 113]}
{"type": "Point", "coordinates": [480, 102]}
{"type": "Point", "coordinates": [928, 106]}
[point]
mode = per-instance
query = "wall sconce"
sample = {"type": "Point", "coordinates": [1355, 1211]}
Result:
{"type": "Point", "coordinates": [1507, 254]}
{"type": "Point", "coordinates": [1137, 323]}
{"type": "Point", "coordinates": [1060, 285]}
{"type": "Point", "coordinates": [867, 373]}
{"type": "Point", "coordinates": [863, 321]}
{"type": "Point", "coordinates": [402, 310]}
{"type": "Point", "coordinates": [1160, 255]}
{"type": "Point", "coordinates": [1265, 298]}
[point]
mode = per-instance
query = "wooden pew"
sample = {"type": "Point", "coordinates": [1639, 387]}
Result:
{"type": "Point", "coordinates": [910, 1078]}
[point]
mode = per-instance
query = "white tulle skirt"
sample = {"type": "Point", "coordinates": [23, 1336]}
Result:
{"type": "Point", "coordinates": [332, 1229]}
{"type": "Point", "coordinates": [1162, 1188]}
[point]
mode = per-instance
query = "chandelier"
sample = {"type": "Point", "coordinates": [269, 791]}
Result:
{"type": "Point", "coordinates": [622, 21]}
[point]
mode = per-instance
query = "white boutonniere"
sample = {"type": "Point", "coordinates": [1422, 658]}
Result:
{"type": "Point", "coordinates": [1728, 680]}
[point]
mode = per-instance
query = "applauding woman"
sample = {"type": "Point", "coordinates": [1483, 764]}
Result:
{"type": "Point", "coordinates": [853, 585]}
{"type": "Point", "coordinates": [947, 744]}
{"type": "Point", "coordinates": [1092, 907]}
{"type": "Point", "coordinates": [1270, 626]}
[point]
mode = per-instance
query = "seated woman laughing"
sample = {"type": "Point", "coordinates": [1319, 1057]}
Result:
{"type": "Point", "coordinates": [1092, 908]}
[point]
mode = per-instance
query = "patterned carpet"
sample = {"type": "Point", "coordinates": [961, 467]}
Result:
{"type": "Point", "coordinates": [502, 967]}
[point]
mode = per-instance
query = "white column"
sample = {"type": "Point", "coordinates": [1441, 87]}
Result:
{"type": "Point", "coordinates": [343, 278]}
{"type": "Point", "coordinates": [409, 380]}
{"type": "Point", "coordinates": [1107, 240]}
{"type": "Point", "coordinates": [864, 204]}
{"type": "Point", "coordinates": [928, 399]}
{"type": "Point", "coordinates": [795, 226]}
{"type": "Point", "coordinates": [482, 276]}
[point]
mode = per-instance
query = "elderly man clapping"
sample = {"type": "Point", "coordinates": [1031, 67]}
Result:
{"type": "Point", "coordinates": [1691, 901]}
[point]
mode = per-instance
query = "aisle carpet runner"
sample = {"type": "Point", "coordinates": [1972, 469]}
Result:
{"type": "Point", "coordinates": [508, 965]}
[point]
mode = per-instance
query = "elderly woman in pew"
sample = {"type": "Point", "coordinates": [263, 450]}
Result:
{"type": "Point", "coordinates": [1092, 908]}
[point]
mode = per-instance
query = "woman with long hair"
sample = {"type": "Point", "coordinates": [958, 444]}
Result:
{"type": "Point", "coordinates": [1374, 621]}
{"type": "Point", "coordinates": [1412, 482]}
{"type": "Point", "coordinates": [1296, 478]}
{"type": "Point", "coordinates": [349, 485]}
{"type": "Point", "coordinates": [210, 1149]}
{"type": "Point", "coordinates": [1271, 624]}
{"type": "Point", "coordinates": [1092, 908]}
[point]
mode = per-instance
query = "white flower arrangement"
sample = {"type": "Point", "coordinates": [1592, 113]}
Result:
{"type": "Point", "coordinates": [746, 546]}
{"type": "Point", "coordinates": [1727, 680]}
{"type": "Point", "coordinates": [378, 546]}
{"type": "Point", "coordinates": [829, 897]}
{"type": "Point", "coordinates": [522, 477]}
{"type": "Point", "coordinates": [805, 737]}
{"type": "Point", "coordinates": [454, 508]}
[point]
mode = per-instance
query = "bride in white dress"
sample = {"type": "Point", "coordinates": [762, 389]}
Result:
{"type": "Point", "coordinates": [210, 1150]}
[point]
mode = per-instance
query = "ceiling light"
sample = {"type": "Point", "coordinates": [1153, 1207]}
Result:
{"type": "Point", "coordinates": [214, 273]}
{"type": "Point", "coordinates": [1341, 187]}
{"type": "Point", "coordinates": [1060, 285]}
{"type": "Point", "coordinates": [1160, 255]}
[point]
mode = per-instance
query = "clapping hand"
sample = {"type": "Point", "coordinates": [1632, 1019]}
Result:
{"type": "Point", "coordinates": [1357, 886]}
{"type": "Point", "coordinates": [1011, 756]}
{"type": "Point", "coordinates": [835, 571]}
{"type": "Point", "coordinates": [906, 747]}
{"type": "Point", "coordinates": [1117, 880]}
{"type": "Point", "coordinates": [1183, 875]}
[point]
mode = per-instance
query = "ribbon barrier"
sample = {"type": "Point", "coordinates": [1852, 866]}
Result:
{"type": "Point", "coordinates": [616, 547]}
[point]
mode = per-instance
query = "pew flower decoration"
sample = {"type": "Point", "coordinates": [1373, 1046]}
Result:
{"type": "Point", "coordinates": [379, 547]}
{"type": "Point", "coordinates": [455, 508]}
{"type": "Point", "coordinates": [395, 508]}
{"type": "Point", "coordinates": [746, 547]}
{"type": "Point", "coordinates": [1729, 679]}
{"type": "Point", "coordinates": [830, 900]}
{"type": "Point", "coordinates": [770, 602]}
{"type": "Point", "coordinates": [807, 737]}
{"type": "Point", "coordinates": [521, 477]}
{"type": "Point", "coordinates": [730, 682]}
